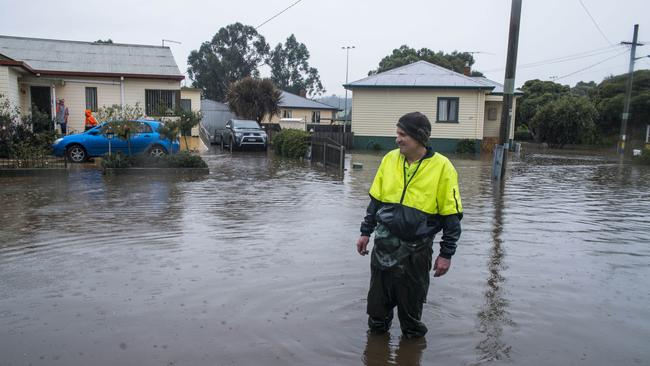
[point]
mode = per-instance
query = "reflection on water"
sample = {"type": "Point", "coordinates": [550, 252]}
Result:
{"type": "Point", "coordinates": [255, 264]}
{"type": "Point", "coordinates": [494, 315]}
{"type": "Point", "coordinates": [380, 352]}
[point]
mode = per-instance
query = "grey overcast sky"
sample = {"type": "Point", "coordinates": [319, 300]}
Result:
{"type": "Point", "coordinates": [550, 30]}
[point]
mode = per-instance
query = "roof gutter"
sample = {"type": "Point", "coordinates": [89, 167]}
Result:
{"type": "Point", "coordinates": [26, 67]}
{"type": "Point", "coordinates": [20, 64]}
{"type": "Point", "coordinates": [351, 86]}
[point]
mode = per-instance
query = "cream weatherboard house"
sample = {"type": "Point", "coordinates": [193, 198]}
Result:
{"type": "Point", "coordinates": [37, 72]}
{"type": "Point", "coordinates": [458, 106]}
{"type": "Point", "coordinates": [301, 108]}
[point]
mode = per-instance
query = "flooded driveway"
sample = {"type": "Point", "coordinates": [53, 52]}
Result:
{"type": "Point", "coordinates": [255, 264]}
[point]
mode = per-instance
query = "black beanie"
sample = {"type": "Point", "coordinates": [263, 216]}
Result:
{"type": "Point", "coordinates": [416, 125]}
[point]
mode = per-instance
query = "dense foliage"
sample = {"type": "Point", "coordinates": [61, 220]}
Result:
{"type": "Point", "coordinates": [291, 143]}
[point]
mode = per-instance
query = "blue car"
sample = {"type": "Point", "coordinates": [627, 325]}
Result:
{"type": "Point", "coordinates": [93, 143]}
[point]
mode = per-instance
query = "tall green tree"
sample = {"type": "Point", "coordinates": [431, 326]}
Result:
{"type": "Point", "coordinates": [405, 55]}
{"type": "Point", "coordinates": [254, 98]}
{"type": "Point", "coordinates": [235, 52]}
{"type": "Point", "coordinates": [290, 70]}
{"type": "Point", "coordinates": [584, 89]}
{"type": "Point", "coordinates": [610, 96]}
{"type": "Point", "coordinates": [567, 120]}
{"type": "Point", "coordinates": [537, 93]}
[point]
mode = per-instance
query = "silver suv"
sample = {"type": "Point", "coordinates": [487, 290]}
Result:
{"type": "Point", "coordinates": [243, 132]}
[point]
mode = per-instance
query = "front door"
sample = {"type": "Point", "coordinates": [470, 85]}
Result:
{"type": "Point", "coordinates": [41, 99]}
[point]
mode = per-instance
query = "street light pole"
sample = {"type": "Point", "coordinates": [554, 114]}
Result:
{"type": "Point", "coordinates": [345, 111]}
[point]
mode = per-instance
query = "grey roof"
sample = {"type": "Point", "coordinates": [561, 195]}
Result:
{"type": "Point", "coordinates": [420, 74]}
{"type": "Point", "coordinates": [60, 56]}
{"type": "Point", "coordinates": [290, 100]}
{"type": "Point", "coordinates": [498, 88]}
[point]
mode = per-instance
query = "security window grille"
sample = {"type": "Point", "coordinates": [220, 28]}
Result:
{"type": "Point", "coordinates": [161, 102]}
{"type": "Point", "coordinates": [315, 116]}
{"type": "Point", "coordinates": [186, 105]}
{"type": "Point", "coordinates": [492, 114]}
{"type": "Point", "coordinates": [447, 110]}
{"type": "Point", "coordinates": [91, 99]}
{"type": "Point", "coordinates": [286, 113]}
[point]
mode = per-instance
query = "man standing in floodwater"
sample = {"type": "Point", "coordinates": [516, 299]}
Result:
{"type": "Point", "coordinates": [414, 195]}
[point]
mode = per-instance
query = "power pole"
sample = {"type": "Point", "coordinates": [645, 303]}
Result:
{"type": "Point", "coordinates": [628, 92]}
{"type": "Point", "coordinates": [501, 151]}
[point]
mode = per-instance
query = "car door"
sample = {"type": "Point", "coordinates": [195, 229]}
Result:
{"type": "Point", "coordinates": [142, 138]}
{"type": "Point", "coordinates": [110, 139]}
{"type": "Point", "coordinates": [95, 142]}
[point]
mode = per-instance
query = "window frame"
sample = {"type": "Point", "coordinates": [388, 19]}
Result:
{"type": "Point", "coordinates": [496, 113]}
{"type": "Point", "coordinates": [93, 103]}
{"type": "Point", "coordinates": [188, 102]}
{"type": "Point", "coordinates": [287, 113]}
{"type": "Point", "coordinates": [447, 100]}
{"type": "Point", "coordinates": [315, 116]}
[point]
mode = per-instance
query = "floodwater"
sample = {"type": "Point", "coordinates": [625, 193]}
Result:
{"type": "Point", "coordinates": [255, 264]}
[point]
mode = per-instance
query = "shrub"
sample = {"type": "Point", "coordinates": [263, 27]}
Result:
{"type": "Point", "coordinates": [115, 161]}
{"type": "Point", "coordinates": [466, 146]}
{"type": "Point", "coordinates": [568, 120]}
{"type": "Point", "coordinates": [523, 136]}
{"type": "Point", "coordinates": [183, 159]}
{"type": "Point", "coordinates": [291, 143]}
{"type": "Point", "coordinates": [23, 136]}
{"type": "Point", "coordinates": [278, 141]}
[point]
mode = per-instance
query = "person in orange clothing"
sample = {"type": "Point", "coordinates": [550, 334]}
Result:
{"type": "Point", "coordinates": [90, 120]}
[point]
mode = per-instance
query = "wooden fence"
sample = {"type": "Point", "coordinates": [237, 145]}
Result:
{"type": "Point", "coordinates": [328, 152]}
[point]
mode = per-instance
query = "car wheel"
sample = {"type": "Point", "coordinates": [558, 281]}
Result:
{"type": "Point", "coordinates": [156, 151]}
{"type": "Point", "coordinates": [76, 153]}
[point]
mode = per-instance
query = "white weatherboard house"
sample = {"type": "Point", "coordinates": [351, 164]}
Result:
{"type": "Point", "coordinates": [459, 106]}
{"type": "Point", "coordinates": [88, 75]}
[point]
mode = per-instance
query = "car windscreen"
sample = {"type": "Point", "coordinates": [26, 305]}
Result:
{"type": "Point", "coordinates": [246, 124]}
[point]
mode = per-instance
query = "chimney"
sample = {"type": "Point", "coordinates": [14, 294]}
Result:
{"type": "Point", "coordinates": [303, 93]}
{"type": "Point", "coordinates": [467, 71]}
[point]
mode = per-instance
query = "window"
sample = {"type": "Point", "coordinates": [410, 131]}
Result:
{"type": "Point", "coordinates": [186, 105]}
{"type": "Point", "coordinates": [447, 110]}
{"type": "Point", "coordinates": [286, 113]}
{"type": "Point", "coordinates": [142, 128]}
{"type": "Point", "coordinates": [492, 114]}
{"type": "Point", "coordinates": [161, 102]}
{"type": "Point", "coordinates": [91, 99]}
{"type": "Point", "coordinates": [315, 116]}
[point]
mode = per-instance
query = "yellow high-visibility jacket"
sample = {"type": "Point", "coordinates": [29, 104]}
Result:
{"type": "Point", "coordinates": [433, 188]}
{"type": "Point", "coordinates": [429, 186]}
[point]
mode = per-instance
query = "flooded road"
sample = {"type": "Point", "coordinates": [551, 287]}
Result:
{"type": "Point", "coordinates": [255, 264]}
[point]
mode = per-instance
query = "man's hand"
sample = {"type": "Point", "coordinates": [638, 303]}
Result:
{"type": "Point", "coordinates": [441, 266]}
{"type": "Point", "coordinates": [362, 244]}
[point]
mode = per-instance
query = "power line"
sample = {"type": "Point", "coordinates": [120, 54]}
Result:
{"type": "Point", "coordinates": [595, 23]}
{"type": "Point", "coordinates": [568, 58]}
{"type": "Point", "coordinates": [273, 17]}
{"type": "Point", "coordinates": [590, 66]}
{"type": "Point", "coordinates": [572, 57]}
